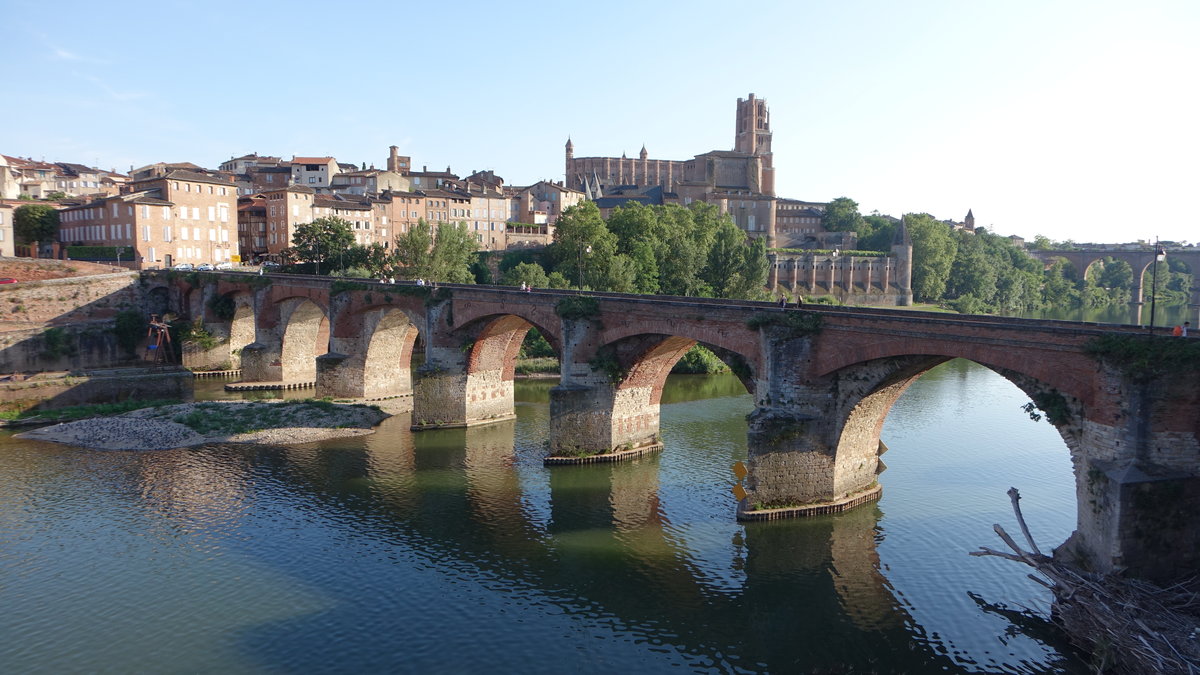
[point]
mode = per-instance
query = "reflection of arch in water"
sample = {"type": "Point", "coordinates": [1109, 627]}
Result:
{"type": "Point", "coordinates": [817, 578]}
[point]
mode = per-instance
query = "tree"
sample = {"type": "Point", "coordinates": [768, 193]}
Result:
{"type": "Point", "coordinates": [841, 215]}
{"type": "Point", "coordinates": [413, 251]}
{"type": "Point", "coordinates": [531, 274]}
{"type": "Point", "coordinates": [322, 240]}
{"type": "Point", "coordinates": [453, 252]}
{"type": "Point", "coordinates": [736, 268]}
{"type": "Point", "coordinates": [442, 255]}
{"type": "Point", "coordinates": [934, 249]}
{"type": "Point", "coordinates": [583, 244]}
{"type": "Point", "coordinates": [877, 233]}
{"type": "Point", "coordinates": [35, 223]}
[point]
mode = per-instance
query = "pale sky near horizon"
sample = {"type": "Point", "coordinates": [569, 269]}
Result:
{"type": "Point", "coordinates": [1073, 119]}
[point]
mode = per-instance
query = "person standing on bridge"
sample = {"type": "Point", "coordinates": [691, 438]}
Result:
{"type": "Point", "coordinates": [1182, 331]}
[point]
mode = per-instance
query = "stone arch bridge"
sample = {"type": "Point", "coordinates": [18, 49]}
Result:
{"type": "Point", "coordinates": [823, 380]}
{"type": "Point", "coordinates": [1141, 261]}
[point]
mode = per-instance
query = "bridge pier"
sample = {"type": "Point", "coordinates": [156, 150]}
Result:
{"type": "Point", "coordinates": [446, 396]}
{"type": "Point", "coordinates": [261, 363]}
{"type": "Point", "coordinates": [591, 416]}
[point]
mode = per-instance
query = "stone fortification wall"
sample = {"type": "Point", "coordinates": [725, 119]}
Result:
{"type": "Point", "coordinates": [59, 302]}
{"type": "Point", "coordinates": [52, 391]}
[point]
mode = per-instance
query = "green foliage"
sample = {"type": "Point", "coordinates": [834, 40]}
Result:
{"type": "Point", "coordinates": [530, 274]}
{"type": "Point", "coordinates": [1145, 357]}
{"type": "Point", "coordinates": [222, 307]}
{"type": "Point", "coordinates": [535, 346]}
{"type": "Point", "coordinates": [322, 239]}
{"type": "Point", "coordinates": [130, 328]}
{"type": "Point", "coordinates": [795, 324]}
{"type": "Point", "coordinates": [56, 343]}
{"type": "Point", "coordinates": [35, 222]}
{"type": "Point", "coordinates": [934, 250]}
{"type": "Point", "coordinates": [444, 254]}
{"type": "Point", "coordinates": [79, 412]}
{"type": "Point", "coordinates": [841, 215]}
{"type": "Point", "coordinates": [829, 251]}
{"type": "Point", "coordinates": [700, 361]}
{"type": "Point", "coordinates": [355, 273]}
{"type": "Point", "coordinates": [1052, 404]}
{"type": "Point", "coordinates": [607, 362]}
{"type": "Point", "coordinates": [480, 268]}
{"type": "Point", "coordinates": [100, 252]}
{"type": "Point", "coordinates": [55, 196]}
{"type": "Point", "coordinates": [538, 365]}
{"type": "Point", "coordinates": [339, 286]}
{"type": "Point", "coordinates": [576, 307]}
{"type": "Point", "coordinates": [196, 334]}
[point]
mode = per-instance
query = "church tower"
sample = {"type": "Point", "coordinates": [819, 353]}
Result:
{"type": "Point", "coordinates": [753, 137]}
{"type": "Point", "coordinates": [970, 221]}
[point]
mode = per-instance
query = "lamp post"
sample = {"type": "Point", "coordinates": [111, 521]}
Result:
{"type": "Point", "coordinates": [1159, 255]}
{"type": "Point", "coordinates": [587, 250]}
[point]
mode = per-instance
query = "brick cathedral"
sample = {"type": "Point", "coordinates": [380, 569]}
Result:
{"type": "Point", "coordinates": [740, 182]}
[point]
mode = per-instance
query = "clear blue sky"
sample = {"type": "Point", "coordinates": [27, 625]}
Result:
{"type": "Point", "coordinates": [1077, 120]}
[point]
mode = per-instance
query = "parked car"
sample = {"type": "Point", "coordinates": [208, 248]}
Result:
{"type": "Point", "coordinates": [8, 280]}
{"type": "Point", "coordinates": [184, 267]}
{"type": "Point", "coordinates": [270, 265]}
{"type": "Point", "coordinates": [225, 265]}
{"type": "Point", "coordinates": [204, 267]}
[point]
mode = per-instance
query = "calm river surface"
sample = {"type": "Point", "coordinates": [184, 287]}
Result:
{"type": "Point", "coordinates": [458, 552]}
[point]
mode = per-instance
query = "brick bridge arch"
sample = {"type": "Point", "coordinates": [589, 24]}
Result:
{"type": "Point", "coordinates": [471, 357]}
{"type": "Point", "coordinates": [821, 390]}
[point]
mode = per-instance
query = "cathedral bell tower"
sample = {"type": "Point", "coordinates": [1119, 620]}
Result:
{"type": "Point", "coordinates": [753, 137]}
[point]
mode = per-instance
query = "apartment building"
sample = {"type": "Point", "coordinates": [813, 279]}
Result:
{"type": "Point", "coordinates": [358, 212]}
{"type": "Point", "coordinates": [7, 246]}
{"type": "Point", "coordinates": [314, 172]}
{"type": "Point", "coordinates": [181, 216]}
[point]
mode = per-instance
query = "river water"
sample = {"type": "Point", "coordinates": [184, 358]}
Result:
{"type": "Point", "coordinates": [458, 552]}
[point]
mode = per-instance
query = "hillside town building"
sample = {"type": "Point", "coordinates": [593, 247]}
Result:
{"type": "Point", "coordinates": [179, 216]}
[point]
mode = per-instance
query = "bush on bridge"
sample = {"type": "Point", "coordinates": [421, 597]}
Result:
{"type": "Point", "coordinates": [794, 324]}
{"type": "Point", "coordinates": [577, 307]}
{"type": "Point", "coordinates": [1145, 357]}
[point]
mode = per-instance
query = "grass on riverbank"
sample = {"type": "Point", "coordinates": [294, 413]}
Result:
{"type": "Point", "coordinates": [544, 365]}
{"type": "Point", "coordinates": [79, 412]}
{"type": "Point", "coordinates": [214, 418]}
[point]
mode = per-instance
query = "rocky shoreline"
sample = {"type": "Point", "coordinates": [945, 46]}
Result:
{"type": "Point", "coordinates": [191, 424]}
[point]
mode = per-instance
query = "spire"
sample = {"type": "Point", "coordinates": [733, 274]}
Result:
{"type": "Point", "coordinates": [587, 189]}
{"type": "Point", "coordinates": [644, 154]}
{"type": "Point", "coordinates": [599, 192]}
{"type": "Point", "coordinates": [901, 237]}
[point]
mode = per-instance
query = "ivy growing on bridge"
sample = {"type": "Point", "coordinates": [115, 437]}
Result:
{"type": "Point", "coordinates": [1052, 404]}
{"type": "Point", "coordinates": [1145, 357]}
{"type": "Point", "coordinates": [794, 324]}
{"type": "Point", "coordinates": [222, 307]}
{"type": "Point", "coordinates": [577, 307]}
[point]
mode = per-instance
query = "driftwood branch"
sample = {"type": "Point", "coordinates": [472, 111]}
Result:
{"type": "Point", "coordinates": [1130, 626]}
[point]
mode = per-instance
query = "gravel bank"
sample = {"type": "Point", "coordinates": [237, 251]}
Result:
{"type": "Point", "coordinates": [268, 423]}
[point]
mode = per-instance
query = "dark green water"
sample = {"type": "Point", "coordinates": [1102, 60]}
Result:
{"type": "Point", "coordinates": [458, 552]}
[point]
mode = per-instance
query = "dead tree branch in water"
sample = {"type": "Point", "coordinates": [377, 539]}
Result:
{"type": "Point", "coordinates": [1128, 625]}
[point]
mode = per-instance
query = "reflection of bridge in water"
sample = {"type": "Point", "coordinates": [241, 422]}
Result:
{"type": "Point", "coordinates": [823, 381]}
{"type": "Point", "coordinates": [595, 544]}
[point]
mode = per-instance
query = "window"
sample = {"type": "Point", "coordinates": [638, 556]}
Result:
{"type": "Point", "coordinates": [145, 211]}
{"type": "Point", "coordinates": [145, 233]}
{"type": "Point", "coordinates": [212, 214]}
{"type": "Point", "coordinates": [167, 234]}
{"type": "Point", "coordinates": [222, 192]}
{"type": "Point", "coordinates": [196, 213]}
{"type": "Point", "coordinates": [183, 233]}
{"type": "Point", "coordinates": [195, 234]}
{"type": "Point", "coordinates": [166, 210]}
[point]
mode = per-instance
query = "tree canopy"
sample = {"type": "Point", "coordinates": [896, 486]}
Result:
{"type": "Point", "coordinates": [841, 215]}
{"type": "Point", "coordinates": [35, 223]}
{"type": "Point", "coordinates": [323, 238]}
